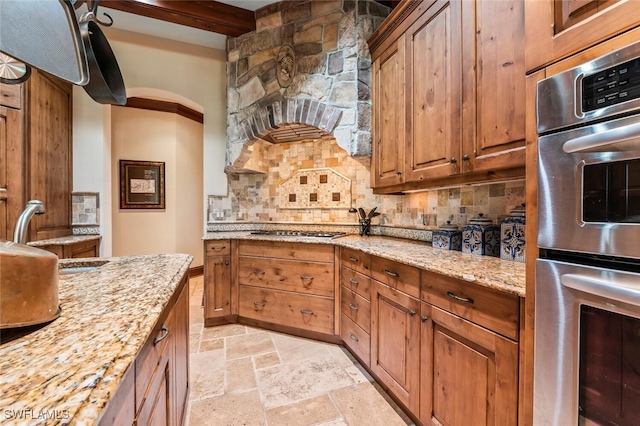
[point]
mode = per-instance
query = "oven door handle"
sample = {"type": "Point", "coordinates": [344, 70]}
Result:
{"type": "Point", "coordinates": [616, 139]}
{"type": "Point", "coordinates": [618, 291]}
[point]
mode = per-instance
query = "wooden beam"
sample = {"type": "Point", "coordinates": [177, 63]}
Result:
{"type": "Point", "coordinates": [163, 106]}
{"type": "Point", "coordinates": [208, 15]}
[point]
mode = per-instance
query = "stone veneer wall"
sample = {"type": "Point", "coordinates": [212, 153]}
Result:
{"type": "Point", "coordinates": [256, 197]}
{"type": "Point", "coordinates": [332, 69]}
{"type": "Point", "coordinates": [85, 213]}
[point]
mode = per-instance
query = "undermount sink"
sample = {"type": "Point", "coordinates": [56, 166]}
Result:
{"type": "Point", "coordinates": [78, 269]}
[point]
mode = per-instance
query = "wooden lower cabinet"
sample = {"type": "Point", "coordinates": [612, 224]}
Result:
{"type": "Point", "coordinates": [395, 343]}
{"type": "Point", "coordinates": [81, 249]}
{"type": "Point", "coordinates": [305, 312]}
{"type": "Point", "coordinates": [217, 279]}
{"type": "Point", "coordinates": [468, 375]}
{"type": "Point", "coordinates": [155, 388]}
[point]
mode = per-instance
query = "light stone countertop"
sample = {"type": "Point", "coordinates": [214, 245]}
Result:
{"type": "Point", "coordinates": [487, 271]}
{"type": "Point", "coordinates": [70, 368]}
{"type": "Point", "coordinates": [63, 241]}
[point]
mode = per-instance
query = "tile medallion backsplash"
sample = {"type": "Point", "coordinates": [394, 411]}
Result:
{"type": "Point", "coordinates": [85, 216]}
{"type": "Point", "coordinates": [281, 195]}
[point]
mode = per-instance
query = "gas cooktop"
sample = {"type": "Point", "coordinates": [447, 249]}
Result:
{"type": "Point", "coordinates": [320, 234]}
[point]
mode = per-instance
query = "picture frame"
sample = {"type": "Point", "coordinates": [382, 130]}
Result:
{"type": "Point", "coordinates": [142, 185]}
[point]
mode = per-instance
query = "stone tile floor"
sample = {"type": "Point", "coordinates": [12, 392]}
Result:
{"type": "Point", "coordinates": [240, 375]}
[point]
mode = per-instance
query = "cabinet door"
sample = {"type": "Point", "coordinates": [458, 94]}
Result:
{"type": "Point", "coordinates": [395, 343]}
{"type": "Point", "coordinates": [469, 375]}
{"type": "Point", "coordinates": [494, 85]}
{"type": "Point", "coordinates": [180, 366]}
{"type": "Point", "coordinates": [48, 135]}
{"type": "Point", "coordinates": [433, 92]}
{"type": "Point", "coordinates": [11, 172]}
{"type": "Point", "coordinates": [557, 29]}
{"type": "Point", "coordinates": [388, 108]}
{"type": "Point", "coordinates": [217, 288]}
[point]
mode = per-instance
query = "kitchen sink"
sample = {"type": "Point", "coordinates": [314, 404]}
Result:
{"type": "Point", "coordinates": [78, 267]}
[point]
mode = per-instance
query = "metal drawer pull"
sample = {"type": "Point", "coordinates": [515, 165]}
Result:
{"type": "Point", "coordinates": [460, 299]}
{"type": "Point", "coordinates": [305, 312]}
{"type": "Point", "coordinates": [352, 337]}
{"type": "Point", "coordinates": [259, 303]}
{"type": "Point", "coordinates": [354, 307]}
{"type": "Point", "coordinates": [353, 259]}
{"type": "Point", "coordinates": [164, 336]}
{"type": "Point", "coordinates": [391, 274]}
{"type": "Point", "coordinates": [423, 318]}
{"type": "Point", "coordinates": [412, 313]}
{"type": "Point", "coordinates": [257, 272]}
{"type": "Point", "coordinates": [352, 281]}
{"type": "Point", "coordinates": [219, 248]}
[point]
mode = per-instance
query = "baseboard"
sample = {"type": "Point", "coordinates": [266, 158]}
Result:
{"type": "Point", "coordinates": [196, 271]}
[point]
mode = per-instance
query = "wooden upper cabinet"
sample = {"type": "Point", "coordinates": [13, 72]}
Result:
{"type": "Point", "coordinates": [388, 116]}
{"type": "Point", "coordinates": [49, 142]}
{"type": "Point", "coordinates": [433, 92]}
{"type": "Point", "coordinates": [463, 95]}
{"type": "Point", "coordinates": [494, 85]}
{"type": "Point", "coordinates": [556, 29]}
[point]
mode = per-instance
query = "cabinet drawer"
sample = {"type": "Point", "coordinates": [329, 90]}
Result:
{"type": "Point", "coordinates": [288, 275]}
{"type": "Point", "coordinates": [313, 313]}
{"type": "Point", "coordinates": [357, 308]}
{"type": "Point", "coordinates": [355, 260]}
{"type": "Point", "coordinates": [218, 248]}
{"type": "Point", "coordinates": [148, 359]}
{"type": "Point", "coordinates": [396, 275]}
{"type": "Point", "coordinates": [356, 339]}
{"type": "Point", "coordinates": [293, 251]}
{"type": "Point", "coordinates": [11, 95]}
{"type": "Point", "coordinates": [356, 282]}
{"type": "Point", "coordinates": [497, 311]}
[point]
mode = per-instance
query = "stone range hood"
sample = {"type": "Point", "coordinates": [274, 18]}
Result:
{"type": "Point", "coordinates": [304, 74]}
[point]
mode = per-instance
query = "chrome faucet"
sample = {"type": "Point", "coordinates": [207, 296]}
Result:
{"type": "Point", "coordinates": [20, 233]}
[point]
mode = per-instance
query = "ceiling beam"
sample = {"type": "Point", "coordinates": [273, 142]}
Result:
{"type": "Point", "coordinates": [208, 15]}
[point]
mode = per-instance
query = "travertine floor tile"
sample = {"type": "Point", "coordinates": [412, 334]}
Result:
{"type": "Point", "coordinates": [206, 374]}
{"type": "Point", "coordinates": [287, 383]}
{"type": "Point", "coordinates": [303, 413]}
{"type": "Point", "coordinates": [365, 405]}
{"type": "Point", "coordinates": [241, 409]}
{"type": "Point", "coordinates": [211, 345]}
{"type": "Point", "coordinates": [210, 333]}
{"type": "Point", "coordinates": [240, 375]}
{"type": "Point", "coordinates": [248, 345]}
{"type": "Point", "coordinates": [195, 315]}
{"type": "Point", "coordinates": [194, 343]}
{"type": "Point", "coordinates": [266, 360]}
{"type": "Point", "coordinates": [292, 349]}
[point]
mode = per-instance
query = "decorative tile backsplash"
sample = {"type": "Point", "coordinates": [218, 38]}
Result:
{"type": "Point", "coordinates": [322, 188]}
{"type": "Point", "coordinates": [85, 208]}
{"type": "Point", "coordinates": [85, 214]}
{"type": "Point", "coordinates": [263, 198]}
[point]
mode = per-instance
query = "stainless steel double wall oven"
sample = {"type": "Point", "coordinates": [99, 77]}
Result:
{"type": "Point", "coordinates": [587, 327]}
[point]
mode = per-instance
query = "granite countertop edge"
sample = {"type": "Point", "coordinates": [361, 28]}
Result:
{"type": "Point", "coordinates": [492, 272]}
{"type": "Point", "coordinates": [69, 369]}
{"type": "Point", "coordinates": [63, 241]}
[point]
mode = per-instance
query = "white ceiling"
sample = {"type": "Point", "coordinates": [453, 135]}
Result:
{"type": "Point", "coordinates": [154, 27]}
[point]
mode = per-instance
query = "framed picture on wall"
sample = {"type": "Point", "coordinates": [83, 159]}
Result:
{"type": "Point", "coordinates": [141, 185]}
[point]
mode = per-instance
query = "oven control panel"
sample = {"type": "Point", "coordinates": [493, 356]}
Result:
{"type": "Point", "coordinates": [612, 86]}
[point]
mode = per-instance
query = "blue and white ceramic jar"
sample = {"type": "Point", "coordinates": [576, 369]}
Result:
{"type": "Point", "coordinates": [448, 237]}
{"type": "Point", "coordinates": [512, 236]}
{"type": "Point", "coordinates": [481, 236]}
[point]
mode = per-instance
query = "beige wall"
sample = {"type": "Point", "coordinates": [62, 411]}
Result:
{"type": "Point", "coordinates": [159, 136]}
{"type": "Point", "coordinates": [172, 71]}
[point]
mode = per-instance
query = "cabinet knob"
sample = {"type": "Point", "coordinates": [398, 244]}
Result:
{"type": "Point", "coordinates": [453, 160]}
{"type": "Point", "coordinates": [399, 172]}
{"type": "Point", "coordinates": [412, 313]}
{"type": "Point", "coordinates": [423, 318]}
{"type": "Point", "coordinates": [226, 262]}
{"type": "Point", "coordinates": [466, 157]}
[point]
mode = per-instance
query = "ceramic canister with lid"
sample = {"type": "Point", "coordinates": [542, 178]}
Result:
{"type": "Point", "coordinates": [481, 236]}
{"type": "Point", "coordinates": [448, 237]}
{"type": "Point", "coordinates": [512, 236]}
